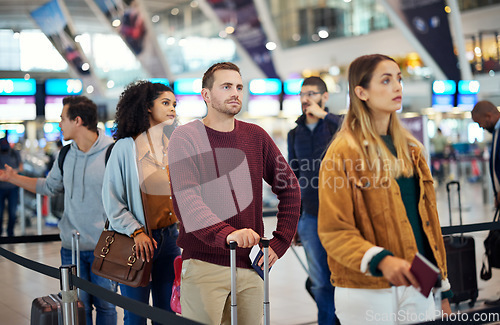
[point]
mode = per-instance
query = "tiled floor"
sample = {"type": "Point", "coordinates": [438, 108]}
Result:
{"type": "Point", "coordinates": [290, 303]}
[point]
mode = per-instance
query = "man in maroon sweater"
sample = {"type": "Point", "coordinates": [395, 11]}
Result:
{"type": "Point", "coordinates": [217, 166]}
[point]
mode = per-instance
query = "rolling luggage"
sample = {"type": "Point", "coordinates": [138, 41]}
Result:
{"type": "Point", "coordinates": [461, 258]}
{"type": "Point", "coordinates": [234, 307]}
{"type": "Point", "coordinates": [47, 310]}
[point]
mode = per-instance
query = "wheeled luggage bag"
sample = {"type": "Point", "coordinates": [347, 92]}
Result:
{"type": "Point", "coordinates": [47, 310]}
{"type": "Point", "coordinates": [234, 306]}
{"type": "Point", "coordinates": [461, 259]}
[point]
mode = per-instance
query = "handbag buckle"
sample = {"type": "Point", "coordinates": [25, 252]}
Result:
{"type": "Point", "coordinates": [110, 240]}
{"type": "Point", "coordinates": [131, 260]}
{"type": "Point", "coordinates": [104, 251]}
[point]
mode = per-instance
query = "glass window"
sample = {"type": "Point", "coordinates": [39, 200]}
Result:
{"type": "Point", "coordinates": [309, 21]}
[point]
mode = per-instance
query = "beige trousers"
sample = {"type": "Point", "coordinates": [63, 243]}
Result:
{"type": "Point", "coordinates": [206, 294]}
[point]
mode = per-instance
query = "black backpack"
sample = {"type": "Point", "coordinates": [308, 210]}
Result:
{"type": "Point", "coordinates": [64, 152]}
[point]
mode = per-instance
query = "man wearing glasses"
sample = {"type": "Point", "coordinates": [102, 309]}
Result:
{"type": "Point", "coordinates": [306, 144]}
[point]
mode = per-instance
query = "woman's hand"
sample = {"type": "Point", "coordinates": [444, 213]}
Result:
{"type": "Point", "coordinates": [397, 271]}
{"type": "Point", "coordinates": [445, 306]}
{"type": "Point", "coordinates": [144, 247]}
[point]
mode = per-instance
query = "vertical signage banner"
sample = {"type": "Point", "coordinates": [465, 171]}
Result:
{"type": "Point", "coordinates": [248, 31]}
{"type": "Point", "coordinates": [428, 21]}
{"type": "Point", "coordinates": [136, 32]}
{"type": "Point", "coordinates": [55, 26]}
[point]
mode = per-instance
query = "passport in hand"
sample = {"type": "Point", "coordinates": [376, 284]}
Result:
{"type": "Point", "coordinates": [425, 272]}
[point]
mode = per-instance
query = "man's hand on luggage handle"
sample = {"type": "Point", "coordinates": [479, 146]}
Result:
{"type": "Point", "coordinates": [245, 238]}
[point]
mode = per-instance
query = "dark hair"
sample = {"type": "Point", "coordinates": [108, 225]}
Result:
{"type": "Point", "coordinates": [208, 77]}
{"type": "Point", "coordinates": [83, 107]}
{"type": "Point", "coordinates": [316, 81]}
{"type": "Point", "coordinates": [132, 116]}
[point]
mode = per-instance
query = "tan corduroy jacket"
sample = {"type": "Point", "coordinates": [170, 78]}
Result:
{"type": "Point", "coordinates": [357, 213]}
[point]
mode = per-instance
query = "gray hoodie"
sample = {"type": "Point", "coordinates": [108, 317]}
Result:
{"type": "Point", "coordinates": [82, 186]}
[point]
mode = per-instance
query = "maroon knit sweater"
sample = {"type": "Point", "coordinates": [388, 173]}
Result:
{"type": "Point", "coordinates": [216, 179]}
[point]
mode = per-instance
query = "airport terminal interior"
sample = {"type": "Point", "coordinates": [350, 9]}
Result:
{"type": "Point", "coordinates": [448, 54]}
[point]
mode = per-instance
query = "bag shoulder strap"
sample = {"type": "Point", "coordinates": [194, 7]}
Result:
{"type": "Point", "coordinates": [108, 153]}
{"type": "Point", "coordinates": [62, 156]}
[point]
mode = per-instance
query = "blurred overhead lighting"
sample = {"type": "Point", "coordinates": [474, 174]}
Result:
{"type": "Point", "coordinates": [85, 66]}
{"type": "Point", "coordinates": [347, 1]}
{"type": "Point", "coordinates": [222, 34]}
{"type": "Point", "coordinates": [315, 37]}
{"type": "Point", "coordinates": [229, 30]}
{"type": "Point", "coordinates": [447, 9]}
{"type": "Point", "coordinates": [194, 4]}
{"type": "Point", "coordinates": [334, 70]}
{"type": "Point", "coordinates": [323, 33]}
{"type": "Point", "coordinates": [174, 11]}
{"type": "Point", "coordinates": [271, 46]}
{"type": "Point", "coordinates": [155, 18]}
{"type": "Point", "coordinates": [27, 76]}
{"type": "Point", "coordinates": [170, 40]}
{"type": "Point", "coordinates": [296, 37]}
{"type": "Point", "coordinates": [110, 84]}
{"type": "Point", "coordinates": [182, 42]}
{"type": "Point", "coordinates": [16, 35]}
{"type": "Point", "coordinates": [90, 89]}
{"type": "Point", "coordinates": [116, 23]}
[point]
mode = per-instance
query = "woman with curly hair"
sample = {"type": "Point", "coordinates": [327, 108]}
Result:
{"type": "Point", "coordinates": [137, 168]}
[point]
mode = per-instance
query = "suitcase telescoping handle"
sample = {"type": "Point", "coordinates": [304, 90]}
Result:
{"type": "Point", "coordinates": [75, 253]}
{"type": "Point", "coordinates": [234, 306]}
{"type": "Point", "coordinates": [448, 186]}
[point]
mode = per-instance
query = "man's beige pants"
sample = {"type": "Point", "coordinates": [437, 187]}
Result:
{"type": "Point", "coordinates": [206, 294]}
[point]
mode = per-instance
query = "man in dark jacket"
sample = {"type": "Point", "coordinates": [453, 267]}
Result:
{"type": "Point", "coordinates": [306, 144]}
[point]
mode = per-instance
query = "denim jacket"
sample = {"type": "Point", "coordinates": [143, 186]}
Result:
{"type": "Point", "coordinates": [357, 213]}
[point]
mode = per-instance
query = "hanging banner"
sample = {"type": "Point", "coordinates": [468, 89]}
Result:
{"type": "Point", "coordinates": [53, 23]}
{"type": "Point", "coordinates": [248, 31]}
{"type": "Point", "coordinates": [428, 21]}
{"type": "Point", "coordinates": [128, 18]}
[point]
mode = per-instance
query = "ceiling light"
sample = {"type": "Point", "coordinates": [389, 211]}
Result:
{"type": "Point", "coordinates": [170, 40]}
{"type": "Point", "coordinates": [229, 29]}
{"type": "Point", "coordinates": [90, 89]}
{"type": "Point", "coordinates": [271, 46]}
{"type": "Point", "coordinates": [85, 66]}
{"type": "Point", "coordinates": [155, 18]}
{"type": "Point", "coordinates": [194, 4]}
{"type": "Point", "coordinates": [27, 76]}
{"type": "Point", "coordinates": [296, 37]}
{"type": "Point", "coordinates": [110, 84]}
{"type": "Point", "coordinates": [116, 23]}
{"type": "Point", "coordinates": [175, 11]}
{"type": "Point", "coordinates": [315, 37]}
{"type": "Point", "coordinates": [222, 34]}
{"type": "Point", "coordinates": [323, 33]}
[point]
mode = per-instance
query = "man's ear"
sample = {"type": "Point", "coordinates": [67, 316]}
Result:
{"type": "Point", "coordinates": [205, 94]}
{"type": "Point", "coordinates": [325, 96]}
{"type": "Point", "coordinates": [78, 120]}
{"type": "Point", "coordinates": [361, 93]}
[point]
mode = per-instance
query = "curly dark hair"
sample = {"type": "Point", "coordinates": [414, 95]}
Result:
{"type": "Point", "coordinates": [132, 116]}
{"type": "Point", "coordinates": [83, 107]}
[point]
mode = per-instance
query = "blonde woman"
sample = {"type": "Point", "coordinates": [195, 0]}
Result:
{"type": "Point", "coordinates": [377, 205]}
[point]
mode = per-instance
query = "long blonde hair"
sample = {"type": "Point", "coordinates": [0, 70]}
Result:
{"type": "Point", "coordinates": [359, 127]}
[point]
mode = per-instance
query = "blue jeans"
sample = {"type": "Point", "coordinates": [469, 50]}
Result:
{"type": "Point", "coordinates": [105, 311]}
{"type": "Point", "coordinates": [162, 275]}
{"type": "Point", "coordinates": [12, 197]}
{"type": "Point", "coordinates": [319, 271]}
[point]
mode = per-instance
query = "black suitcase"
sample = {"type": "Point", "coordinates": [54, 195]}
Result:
{"type": "Point", "coordinates": [461, 258]}
{"type": "Point", "coordinates": [48, 311]}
